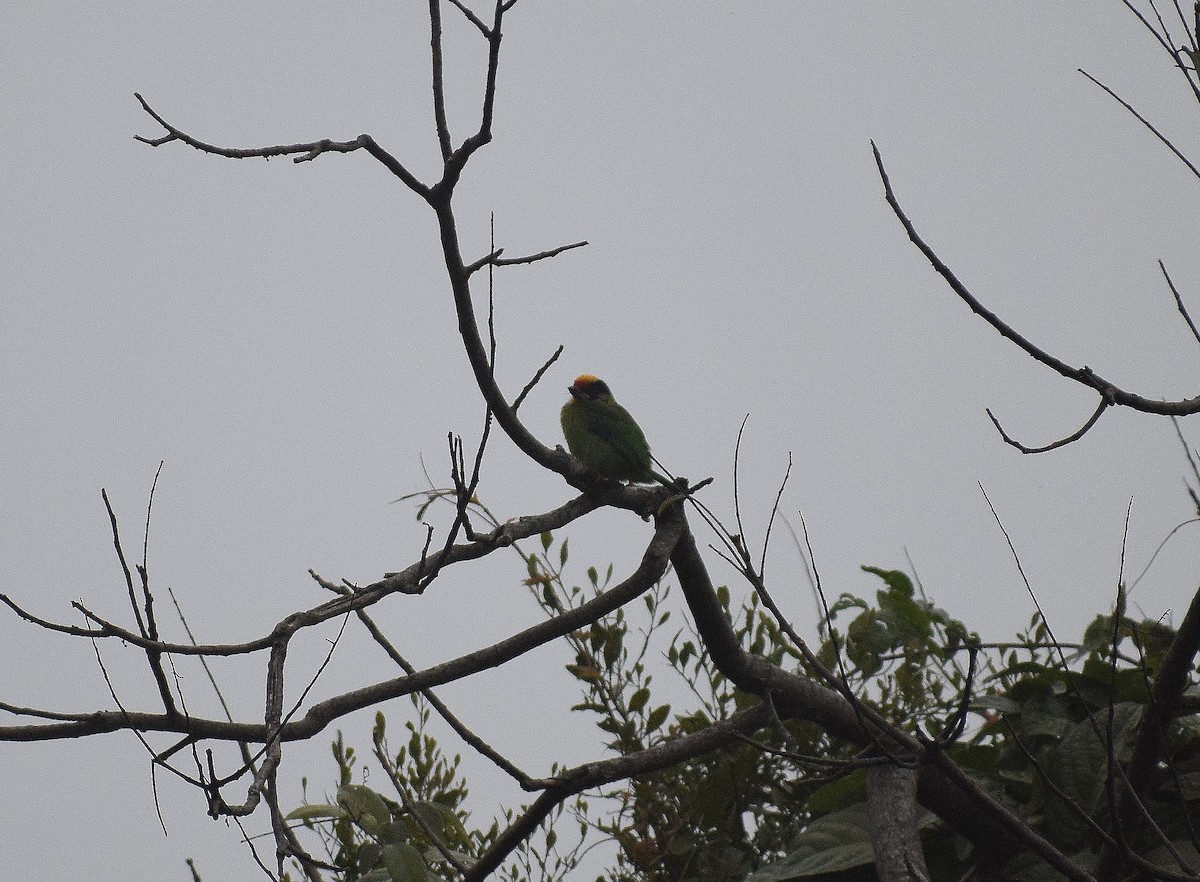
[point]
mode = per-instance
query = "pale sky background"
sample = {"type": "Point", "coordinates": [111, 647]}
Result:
{"type": "Point", "coordinates": [283, 337]}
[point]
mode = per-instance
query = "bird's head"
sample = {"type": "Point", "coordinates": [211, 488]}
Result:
{"type": "Point", "coordinates": [589, 388]}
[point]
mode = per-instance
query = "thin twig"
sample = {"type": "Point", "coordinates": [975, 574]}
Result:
{"type": "Point", "coordinates": [1179, 302]}
{"type": "Point", "coordinates": [537, 378]}
{"type": "Point", "coordinates": [309, 150]}
{"type": "Point", "coordinates": [762, 564]}
{"type": "Point", "coordinates": [1062, 442]}
{"type": "Point", "coordinates": [1149, 125]}
{"type": "Point", "coordinates": [116, 533]}
{"type": "Point", "coordinates": [494, 259]}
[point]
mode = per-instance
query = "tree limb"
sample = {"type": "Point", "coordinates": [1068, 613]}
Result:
{"type": "Point", "coordinates": [1085, 376]}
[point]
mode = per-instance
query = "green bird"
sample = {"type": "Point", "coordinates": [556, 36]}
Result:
{"type": "Point", "coordinates": [604, 437]}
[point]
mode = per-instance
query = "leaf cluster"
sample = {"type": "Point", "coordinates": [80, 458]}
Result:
{"type": "Point", "coordinates": [1041, 726]}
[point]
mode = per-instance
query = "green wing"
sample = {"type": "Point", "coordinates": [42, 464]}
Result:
{"type": "Point", "coordinates": [624, 437]}
{"type": "Point", "coordinates": [606, 439]}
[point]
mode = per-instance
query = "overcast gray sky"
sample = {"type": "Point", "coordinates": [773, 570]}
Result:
{"type": "Point", "coordinates": [282, 335]}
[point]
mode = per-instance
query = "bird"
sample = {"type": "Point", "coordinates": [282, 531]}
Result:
{"type": "Point", "coordinates": [604, 437]}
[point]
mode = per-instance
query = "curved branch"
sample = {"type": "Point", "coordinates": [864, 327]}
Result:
{"type": "Point", "coordinates": [793, 695]}
{"type": "Point", "coordinates": [1062, 442]}
{"type": "Point", "coordinates": [644, 500]}
{"type": "Point", "coordinates": [942, 786]}
{"type": "Point", "coordinates": [1085, 376]}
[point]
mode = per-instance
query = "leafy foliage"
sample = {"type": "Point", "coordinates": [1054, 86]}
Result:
{"type": "Point", "coordinates": [1043, 731]}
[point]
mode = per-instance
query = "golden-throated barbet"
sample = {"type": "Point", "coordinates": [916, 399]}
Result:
{"type": "Point", "coordinates": [604, 437]}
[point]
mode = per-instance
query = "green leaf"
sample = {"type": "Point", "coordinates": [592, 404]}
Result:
{"type": "Point", "coordinates": [562, 554]}
{"type": "Point", "coordinates": [831, 844]}
{"type": "Point", "coordinates": [838, 794]}
{"type": "Point", "coordinates": [316, 812]}
{"type": "Point", "coordinates": [845, 602]}
{"type": "Point", "coordinates": [1162, 857]}
{"type": "Point", "coordinates": [657, 717]}
{"type": "Point", "coordinates": [547, 539]}
{"type": "Point", "coordinates": [1078, 764]}
{"type": "Point", "coordinates": [587, 673]}
{"type": "Point", "coordinates": [612, 646]}
{"type": "Point", "coordinates": [1189, 785]}
{"type": "Point", "coordinates": [896, 581]}
{"type": "Point", "coordinates": [365, 807]}
{"type": "Point", "coordinates": [404, 863]}
{"type": "Point", "coordinates": [686, 652]}
{"type": "Point", "coordinates": [834, 843]}
{"type": "Point", "coordinates": [910, 621]}
{"type": "Point", "coordinates": [638, 700]}
{"type": "Point", "coordinates": [442, 820]}
{"type": "Point", "coordinates": [1001, 703]}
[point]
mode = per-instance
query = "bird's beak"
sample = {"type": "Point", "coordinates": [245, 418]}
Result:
{"type": "Point", "coordinates": [575, 392]}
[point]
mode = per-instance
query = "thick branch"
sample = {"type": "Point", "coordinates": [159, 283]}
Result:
{"type": "Point", "coordinates": [891, 803]}
{"type": "Point", "coordinates": [1169, 684]}
{"type": "Point", "coordinates": [943, 787]}
{"type": "Point", "coordinates": [793, 695]}
{"type": "Point", "coordinates": [572, 781]}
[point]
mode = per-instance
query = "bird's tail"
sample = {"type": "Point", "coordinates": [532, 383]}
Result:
{"type": "Point", "coordinates": [671, 481]}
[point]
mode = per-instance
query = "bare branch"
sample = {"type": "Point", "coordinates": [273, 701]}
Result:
{"type": "Point", "coordinates": [1163, 37]}
{"type": "Point", "coordinates": [464, 732]}
{"type": "Point", "coordinates": [1062, 442]}
{"type": "Point", "coordinates": [472, 18]}
{"type": "Point", "coordinates": [1085, 376]}
{"type": "Point", "coordinates": [439, 92]}
{"type": "Point", "coordinates": [494, 259]}
{"type": "Point", "coordinates": [116, 533]}
{"type": "Point", "coordinates": [1167, 141]}
{"type": "Point", "coordinates": [536, 378]}
{"type": "Point", "coordinates": [653, 565]}
{"type": "Point", "coordinates": [1179, 302]}
{"type": "Point", "coordinates": [309, 150]}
